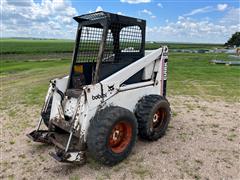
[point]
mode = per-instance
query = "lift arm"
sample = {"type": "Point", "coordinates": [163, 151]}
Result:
{"type": "Point", "coordinates": [121, 76]}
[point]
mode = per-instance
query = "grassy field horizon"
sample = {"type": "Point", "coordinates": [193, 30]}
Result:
{"type": "Point", "coordinates": [189, 73]}
{"type": "Point", "coordinates": [37, 46]}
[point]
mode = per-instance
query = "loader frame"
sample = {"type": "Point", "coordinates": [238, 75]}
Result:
{"type": "Point", "coordinates": [73, 108]}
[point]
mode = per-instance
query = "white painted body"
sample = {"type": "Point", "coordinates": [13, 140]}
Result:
{"type": "Point", "coordinates": [97, 96]}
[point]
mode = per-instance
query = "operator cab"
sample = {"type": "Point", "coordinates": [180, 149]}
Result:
{"type": "Point", "coordinates": [105, 43]}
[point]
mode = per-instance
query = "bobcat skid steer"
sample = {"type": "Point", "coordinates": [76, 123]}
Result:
{"type": "Point", "coordinates": [114, 93]}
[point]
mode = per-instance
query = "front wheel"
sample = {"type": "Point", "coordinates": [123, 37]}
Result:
{"type": "Point", "coordinates": [112, 135]}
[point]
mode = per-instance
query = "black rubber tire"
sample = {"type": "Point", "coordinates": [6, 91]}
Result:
{"type": "Point", "coordinates": [145, 110]}
{"type": "Point", "coordinates": [100, 130]}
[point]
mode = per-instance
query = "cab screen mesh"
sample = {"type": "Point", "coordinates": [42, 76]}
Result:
{"type": "Point", "coordinates": [119, 40]}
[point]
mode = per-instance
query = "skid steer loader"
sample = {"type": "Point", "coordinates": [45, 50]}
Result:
{"type": "Point", "coordinates": [115, 91]}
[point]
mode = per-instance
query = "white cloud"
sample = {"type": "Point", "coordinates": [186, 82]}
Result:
{"type": "Point", "coordinates": [222, 7]}
{"type": "Point", "coordinates": [53, 19]}
{"type": "Point", "coordinates": [120, 13]}
{"type": "Point", "coordinates": [99, 8]}
{"type": "Point", "coordinates": [231, 17]}
{"type": "Point", "coordinates": [207, 9]}
{"type": "Point", "coordinates": [186, 29]}
{"type": "Point", "coordinates": [160, 5]}
{"type": "Point", "coordinates": [47, 19]}
{"type": "Point", "coordinates": [199, 11]}
{"type": "Point", "coordinates": [135, 1]}
{"type": "Point", "coordinates": [147, 12]}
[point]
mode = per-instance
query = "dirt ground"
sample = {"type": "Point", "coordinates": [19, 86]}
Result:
{"type": "Point", "coordinates": [202, 142]}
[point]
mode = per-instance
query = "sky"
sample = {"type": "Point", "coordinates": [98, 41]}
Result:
{"type": "Point", "coordinates": [195, 21]}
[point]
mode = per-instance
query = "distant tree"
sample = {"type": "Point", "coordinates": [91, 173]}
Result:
{"type": "Point", "coordinates": [234, 40]}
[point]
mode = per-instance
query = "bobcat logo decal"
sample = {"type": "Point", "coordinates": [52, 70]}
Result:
{"type": "Point", "coordinates": [111, 88]}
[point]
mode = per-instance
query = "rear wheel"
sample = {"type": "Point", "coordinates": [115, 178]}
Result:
{"type": "Point", "coordinates": [153, 114]}
{"type": "Point", "coordinates": [112, 135]}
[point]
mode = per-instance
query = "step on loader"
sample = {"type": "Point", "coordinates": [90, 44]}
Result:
{"type": "Point", "coordinates": [115, 92]}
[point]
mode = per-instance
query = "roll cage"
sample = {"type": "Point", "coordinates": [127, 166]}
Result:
{"type": "Point", "coordinates": [105, 43]}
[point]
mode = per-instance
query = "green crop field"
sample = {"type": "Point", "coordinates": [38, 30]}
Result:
{"type": "Point", "coordinates": [183, 46]}
{"type": "Point", "coordinates": [19, 46]}
{"type": "Point", "coordinates": [22, 46]}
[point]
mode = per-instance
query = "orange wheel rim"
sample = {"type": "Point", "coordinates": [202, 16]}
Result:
{"type": "Point", "coordinates": [120, 136]}
{"type": "Point", "coordinates": [159, 118]}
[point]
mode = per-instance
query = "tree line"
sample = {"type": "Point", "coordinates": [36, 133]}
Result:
{"type": "Point", "coordinates": [234, 40]}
